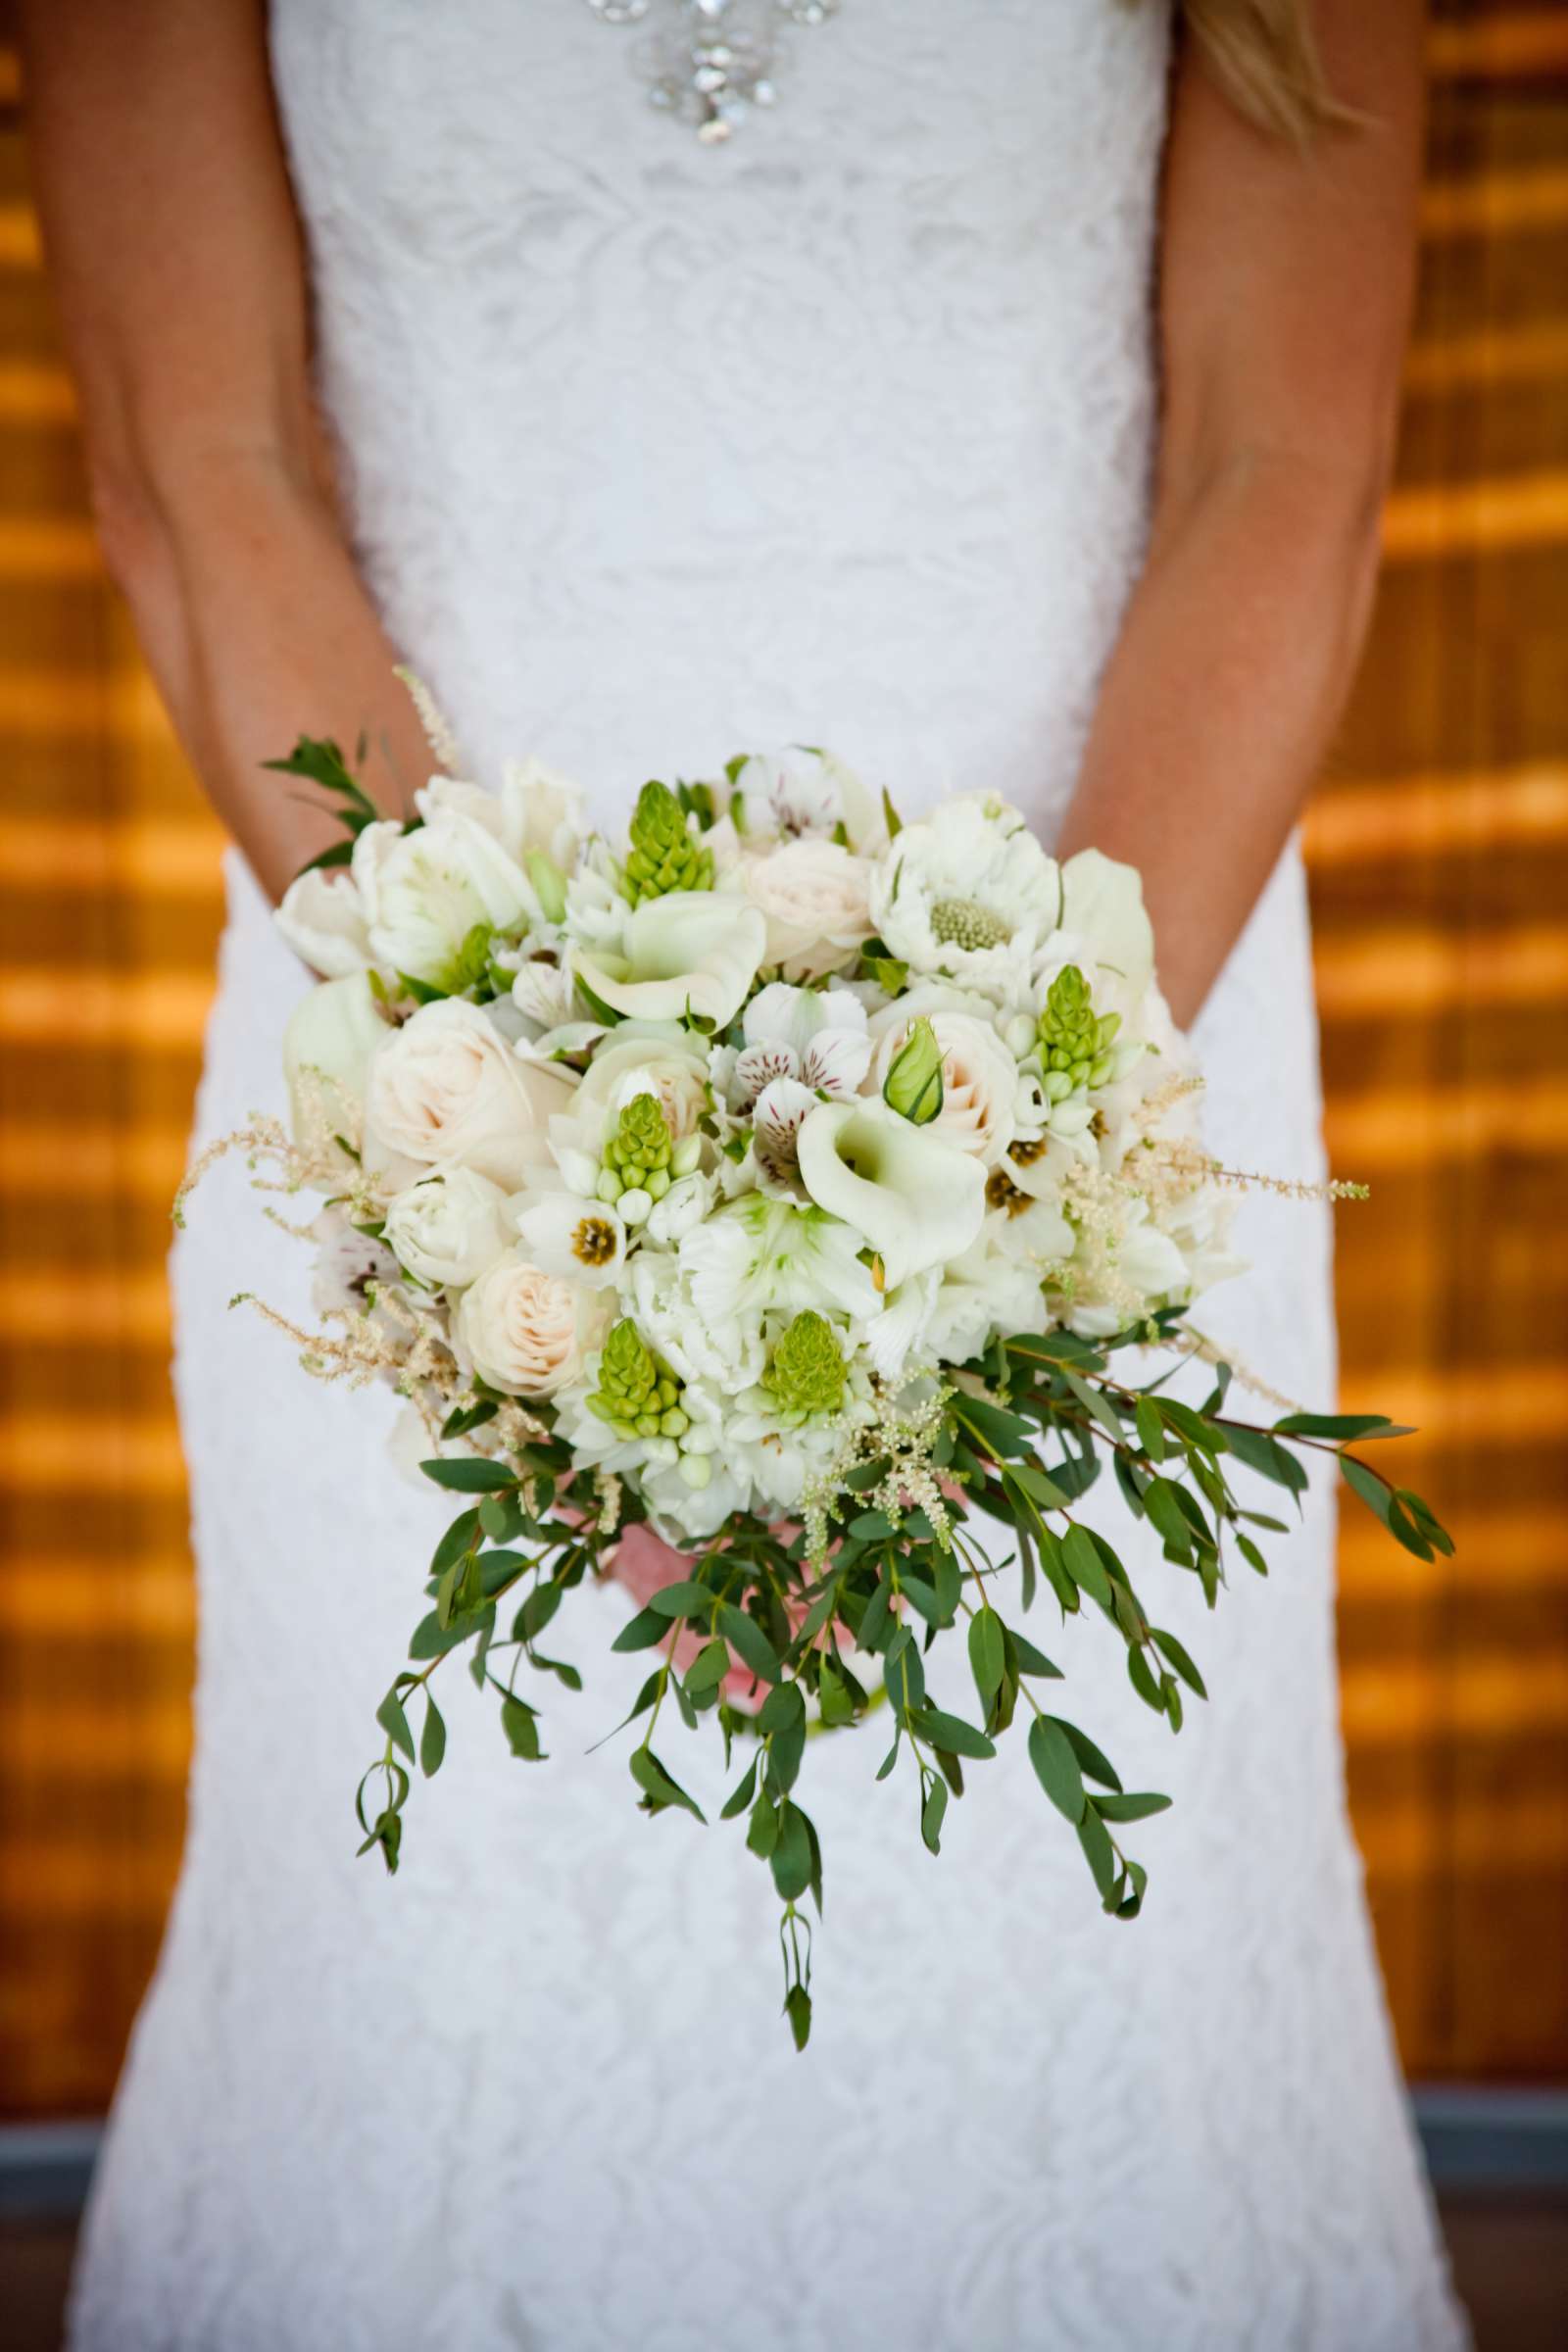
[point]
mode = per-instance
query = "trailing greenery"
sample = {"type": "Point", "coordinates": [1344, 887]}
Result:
{"type": "Point", "coordinates": [834, 1630]}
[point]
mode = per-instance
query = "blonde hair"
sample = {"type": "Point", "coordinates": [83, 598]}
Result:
{"type": "Point", "coordinates": [1264, 57]}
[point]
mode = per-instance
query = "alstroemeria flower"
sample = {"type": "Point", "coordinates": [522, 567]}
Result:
{"type": "Point", "coordinates": [690, 954]}
{"type": "Point", "coordinates": [916, 1202]}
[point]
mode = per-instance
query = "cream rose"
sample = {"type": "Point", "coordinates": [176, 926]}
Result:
{"type": "Point", "coordinates": [448, 1227]}
{"type": "Point", "coordinates": [646, 1057]}
{"type": "Point", "coordinates": [979, 1078]}
{"type": "Point", "coordinates": [813, 896]}
{"type": "Point", "coordinates": [526, 1332]}
{"type": "Point", "coordinates": [447, 1090]}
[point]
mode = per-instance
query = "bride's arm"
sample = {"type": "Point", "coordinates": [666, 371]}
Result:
{"type": "Point", "coordinates": [1283, 297]}
{"type": "Point", "coordinates": [177, 268]}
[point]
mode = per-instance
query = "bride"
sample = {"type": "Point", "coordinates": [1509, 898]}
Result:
{"type": "Point", "coordinates": [1006, 405]}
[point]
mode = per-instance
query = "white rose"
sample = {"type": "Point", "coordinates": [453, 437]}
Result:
{"type": "Point", "coordinates": [979, 1078]}
{"type": "Point", "coordinates": [323, 918]}
{"type": "Point", "coordinates": [447, 1090]}
{"type": "Point", "coordinates": [525, 1332]}
{"type": "Point", "coordinates": [448, 1227]}
{"type": "Point", "coordinates": [424, 892]}
{"type": "Point", "coordinates": [812, 893]}
{"type": "Point", "coordinates": [333, 1035]}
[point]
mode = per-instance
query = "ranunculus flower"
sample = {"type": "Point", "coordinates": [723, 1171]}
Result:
{"type": "Point", "coordinates": [526, 1332]}
{"type": "Point", "coordinates": [968, 895]}
{"type": "Point", "coordinates": [812, 893]}
{"type": "Point", "coordinates": [692, 951]}
{"type": "Point", "coordinates": [446, 1089]}
{"type": "Point", "coordinates": [331, 1040]}
{"type": "Point", "coordinates": [979, 1077]}
{"type": "Point", "coordinates": [323, 918]}
{"type": "Point", "coordinates": [448, 1227]}
{"type": "Point", "coordinates": [915, 1200]}
{"type": "Point", "coordinates": [424, 892]}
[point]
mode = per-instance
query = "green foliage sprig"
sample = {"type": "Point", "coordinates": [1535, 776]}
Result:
{"type": "Point", "coordinates": [1023, 1433]}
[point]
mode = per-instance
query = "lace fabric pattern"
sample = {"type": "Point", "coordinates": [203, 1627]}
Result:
{"type": "Point", "coordinates": [653, 453]}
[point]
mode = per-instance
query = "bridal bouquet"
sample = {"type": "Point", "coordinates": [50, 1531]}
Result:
{"type": "Point", "coordinates": [803, 1188]}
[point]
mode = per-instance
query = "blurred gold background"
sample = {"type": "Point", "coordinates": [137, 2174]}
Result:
{"type": "Point", "coordinates": [1439, 857]}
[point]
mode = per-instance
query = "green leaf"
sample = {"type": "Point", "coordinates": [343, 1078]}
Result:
{"type": "Point", "coordinates": [1093, 1763]}
{"type": "Point", "coordinates": [1171, 1650]}
{"type": "Point", "coordinates": [791, 1858]}
{"type": "Point", "coordinates": [433, 1738]}
{"type": "Point", "coordinates": [932, 1812]}
{"type": "Point", "coordinates": [988, 1655]}
{"type": "Point", "coordinates": [761, 1830]}
{"type": "Point", "coordinates": [660, 1790]}
{"type": "Point", "coordinates": [1096, 1402]}
{"type": "Point", "coordinates": [798, 2009]}
{"type": "Point", "coordinates": [1169, 1521]}
{"type": "Point", "coordinates": [951, 1732]}
{"type": "Point", "coordinates": [1031, 1660]}
{"type": "Point", "coordinates": [1130, 1807]}
{"type": "Point", "coordinates": [1057, 1767]}
{"type": "Point", "coordinates": [470, 1476]}
{"type": "Point", "coordinates": [1250, 1554]}
{"type": "Point", "coordinates": [1003, 1433]}
{"type": "Point", "coordinates": [395, 1723]}
{"type": "Point", "coordinates": [708, 1668]}
{"type": "Point", "coordinates": [1267, 1456]}
{"type": "Point", "coordinates": [521, 1727]}
{"type": "Point", "coordinates": [740, 1796]}
{"type": "Point", "coordinates": [682, 1601]}
{"type": "Point", "coordinates": [642, 1630]}
{"type": "Point", "coordinates": [749, 1644]}
{"type": "Point", "coordinates": [782, 1709]}
{"type": "Point", "coordinates": [1150, 1429]}
{"type": "Point", "coordinates": [1344, 1426]}
{"type": "Point", "coordinates": [1101, 1855]}
{"type": "Point", "coordinates": [1085, 1565]}
{"type": "Point", "coordinates": [1037, 1485]}
{"type": "Point", "coordinates": [1141, 1676]}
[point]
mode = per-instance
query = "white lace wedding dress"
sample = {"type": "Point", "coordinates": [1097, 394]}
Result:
{"type": "Point", "coordinates": [657, 451]}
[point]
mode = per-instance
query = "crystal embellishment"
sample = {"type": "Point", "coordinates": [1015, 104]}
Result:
{"type": "Point", "coordinates": [710, 62]}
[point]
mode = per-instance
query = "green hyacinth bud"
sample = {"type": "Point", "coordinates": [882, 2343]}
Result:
{"type": "Point", "coordinates": [1069, 1033]}
{"type": "Point", "coordinates": [637, 1393]}
{"type": "Point", "coordinates": [664, 854]}
{"type": "Point", "coordinates": [913, 1084]}
{"type": "Point", "coordinates": [807, 1373]}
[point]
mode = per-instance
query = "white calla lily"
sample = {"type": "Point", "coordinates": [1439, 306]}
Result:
{"type": "Point", "coordinates": [332, 1037]}
{"type": "Point", "coordinates": [916, 1202]}
{"type": "Point", "coordinates": [690, 954]}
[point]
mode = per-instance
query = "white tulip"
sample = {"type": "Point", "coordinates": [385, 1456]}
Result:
{"type": "Point", "coordinates": [448, 1227]}
{"type": "Point", "coordinates": [328, 1046]}
{"type": "Point", "coordinates": [323, 918]}
{"type": "Point", "coordinates": [692, 953]}
{"type": "Point", "coordinates": [425, 892]}
{"type": "Point", "coordinates": [916, 1202]}
{"type": "Point", "coordinates": [447, 1090]}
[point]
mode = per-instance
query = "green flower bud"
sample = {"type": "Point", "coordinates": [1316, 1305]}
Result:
{"type": "Point", "coordinates": [665, 853]}
{"type": "Point", "coordinates": [914, 1085]}
{"type": "Point", "coordinates": [637, 1391]}
{"type": "Point", "coordinates": [807, 1372]}
{"type": "Point", "coordinates": [641, 1141]}
{"type": "Point", "coordinates": [1069, 1032]}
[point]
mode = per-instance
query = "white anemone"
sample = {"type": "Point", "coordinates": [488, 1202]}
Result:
{"type": "Point", "coordinates": [690, 954]}
{"type": "Point", "coordinates": [916, 1202]}
{"type": "Point", "coordinates": [969, 894]}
